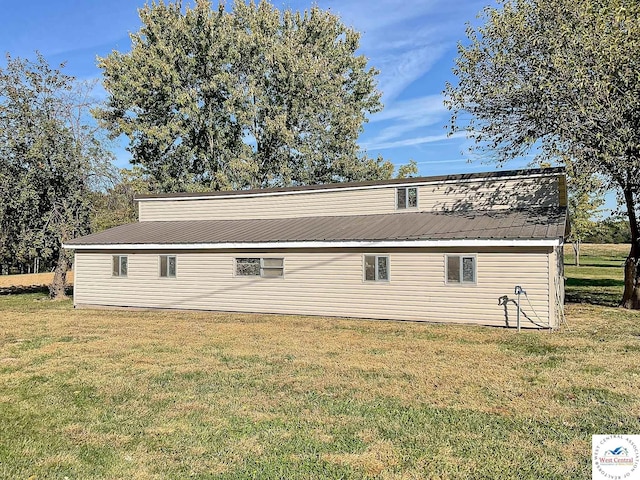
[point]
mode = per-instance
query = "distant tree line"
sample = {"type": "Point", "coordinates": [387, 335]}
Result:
{"type": "Point", "coordinates": [609, 230]}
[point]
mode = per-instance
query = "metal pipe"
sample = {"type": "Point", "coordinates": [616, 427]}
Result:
{"type": "Point", "coordinates": [518, 290]}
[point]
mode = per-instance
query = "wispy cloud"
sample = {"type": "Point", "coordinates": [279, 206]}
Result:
{"type": "Point", "coordinates": [409, 42]}
{"type": "Point", "coordinates": [368, 16]}
{"type": "Point", "coordinates": [412, 109]}
{"type": "Point", "coordinates": [406, 116]}
{"type": "Point", "coordinates": [404, 40]}
{"type": "Point", "coordinates": [408, 142]}
{"type": "Point", "coordinates": [399, 70]}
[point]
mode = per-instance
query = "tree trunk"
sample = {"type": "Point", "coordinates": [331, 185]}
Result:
{"type": "Point", "coordinates": [56, 289]}
{"type": "Point", "coordinates": [631, 295]}
{"type": "Point", "coordinates": [576, 250]}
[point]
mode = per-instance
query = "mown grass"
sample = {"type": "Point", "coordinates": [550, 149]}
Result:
{"type": "Point", "coordinates": [123, 394]}
{"type": "Point", "coordinates": [600, 277]}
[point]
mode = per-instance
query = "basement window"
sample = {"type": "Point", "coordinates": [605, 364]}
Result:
{"type": "Point", "coordinates": [120, 264]}
{"type": "Point", "coordinates": [260, 267]}
{"type": "Point", "coordinates": [168, 266]}
{"type": "Point", "coordinates": [461, 268]}
{"type": "Point", "coordinates": [406, 197]}
{"type": "Point", "coordinates": [376, 268]}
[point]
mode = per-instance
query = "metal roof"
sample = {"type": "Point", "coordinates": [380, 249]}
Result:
{"type": "Point", "coordinates": [551, 171]}
{"type": "Point", "coordinates": [530, 224]}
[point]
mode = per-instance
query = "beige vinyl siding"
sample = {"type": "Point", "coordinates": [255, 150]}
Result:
{"type": "Point", "coordinates": [354, 202]}
{"type": "Point", "coordinates": [494, 194]}
{"type": "Point", "coordinates": [327, 283]}
{"type": "Point", "coordinates": [476, 195]}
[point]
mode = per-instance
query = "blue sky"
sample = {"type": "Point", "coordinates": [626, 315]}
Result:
{"type": "Point", "coordinates": [412, 43]}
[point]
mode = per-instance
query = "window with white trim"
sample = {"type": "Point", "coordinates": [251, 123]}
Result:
{"type": "Point", "coordinates": [461, 268]}
{"type": "Point", "coordinates": [120, 265]}
{"type": "Point", "coordinates": [272, 267]}
{"type": "Point", "coordinates": [266, 267]}
{"type": "Point", "coordinates": [168, 266]}
{"type": "Point", "coordinates": [376, 268]}
{"type": "Point", "coordinates": [406, 197]}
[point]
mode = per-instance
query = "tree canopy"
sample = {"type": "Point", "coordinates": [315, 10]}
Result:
{"type": "Point", "coordinates": [49, 157]}
{"type": "Point", "coordinates": [559, 78]}
{"type": "Point", "coordinates": [246, 98]}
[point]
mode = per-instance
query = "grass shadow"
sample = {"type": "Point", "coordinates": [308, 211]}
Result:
{"type": "Point", "coordinates": [19, 290]}
{"type": "Point", "coordinates": [607, 297]}
{"type": "Point", "coordinates": [593, 282]}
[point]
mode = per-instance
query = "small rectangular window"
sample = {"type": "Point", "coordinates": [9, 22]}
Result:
{"type": "Point", "coordinates": [461, 269]}
{"type": "Point", "coordinates": [272, 267]}
{"type": "Point", "coordinates": [402, 198]}
{"type": "Point", "coordinates": [468, 269]}
{"type": "Point", "coordinates": [247, 266]}
{"type": "Point", "coordinates": [453, 269]}
{"type": "Point", "coordinates": [383, 268]}
{"type": "Point", "coordinates": [369, 268]}
{"type": "Point", "coordinates": [120, 265]}
{"type": "Point", "coordinates": [262, 267]}
{"type": "Point", "coordinates": [376, 268]}
{"type": "Point", "coordinates": [168, 266]}
{"type": "Point", "coordinates": [407, 197]}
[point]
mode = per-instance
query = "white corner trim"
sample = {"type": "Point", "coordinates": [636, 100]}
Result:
{"type": "Point", "coordinates": [320, 244]}
{"type": "Point", "coordinates": [343, 189]}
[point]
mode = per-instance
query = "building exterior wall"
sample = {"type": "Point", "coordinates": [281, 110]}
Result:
{"type": "Point", "coordinates": [479, 194]}
{"type": "Point", "coordinates": [329, 282]}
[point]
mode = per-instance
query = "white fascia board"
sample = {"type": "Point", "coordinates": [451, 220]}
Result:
{"type": "Point", "coordinates": [320, 244]}
{"type": "Point", "coordinates": [344, 189]}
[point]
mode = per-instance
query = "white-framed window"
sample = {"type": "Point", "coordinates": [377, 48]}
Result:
{"type": "Point", "coordinates": [376, 268]}
{"type": "Point", "coordinates": [266, 267]}
{"type": "Point", "coordinates": [460, 269]}
{"type": "Point", "coordinates": [272, 267]}
{"type": "Point", "coordinates": [406, 197]}
{"type": "Point", "coordinates": [247, 267]}
{"type": "Point", "coordinates": [168, 266]}
{"type": "Point", "coordinates": [120, 265]}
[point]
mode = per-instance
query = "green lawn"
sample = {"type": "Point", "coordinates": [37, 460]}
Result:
{"type": "Point", "coordinates": [120, 394]}
{"type": "Point", "coordinates": [600, 277]}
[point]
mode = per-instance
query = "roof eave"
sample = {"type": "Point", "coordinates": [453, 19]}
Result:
{"type": "Point", "coordinates": [546, 242]}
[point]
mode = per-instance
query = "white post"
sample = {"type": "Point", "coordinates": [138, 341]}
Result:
{"type": "Point", "coordinates": [518, 291]}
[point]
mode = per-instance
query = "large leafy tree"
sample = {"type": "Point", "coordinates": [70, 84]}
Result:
{"type": "Point", "coordinates": [50, 156]}
{"type": "Point", "coordinates": [560, 78]}
{"type": "Point", "coordinates": [252, 97]}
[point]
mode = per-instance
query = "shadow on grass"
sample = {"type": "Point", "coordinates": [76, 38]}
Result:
{"type": "Point", "coordinates": [613, 263]}
{"type": "Point", "coordinates": [17, 290]}
{"type": "Point", "coordinates": [594, 297]}
{"type": "Point", "coordinates": [593, 282]}
{"type": "Point", "coordinates": [596, 291]}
